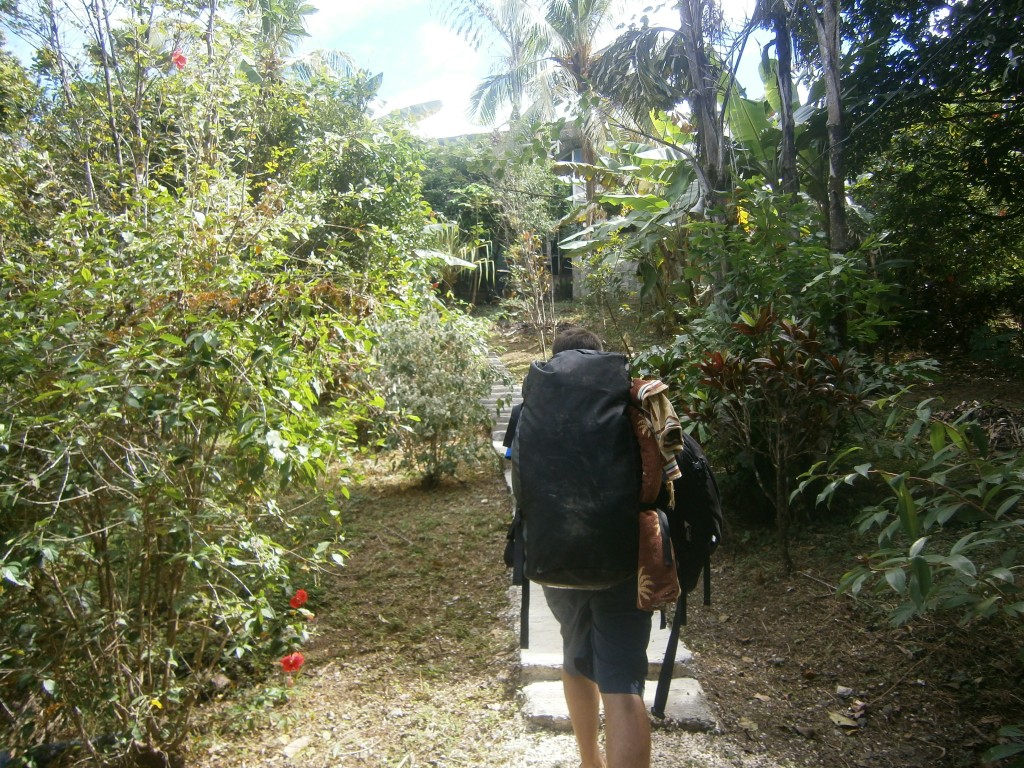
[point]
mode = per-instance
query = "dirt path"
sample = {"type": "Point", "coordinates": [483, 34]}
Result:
{"type": "Point", "coordinates": [414, 661]}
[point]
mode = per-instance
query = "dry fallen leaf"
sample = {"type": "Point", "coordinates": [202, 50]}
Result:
{"type": "Point", "coordinates": [293, 748]}
{"type": "Point", "coordinates": [842, 720]}
{"type": "Point", "coordinates": [748, 725]}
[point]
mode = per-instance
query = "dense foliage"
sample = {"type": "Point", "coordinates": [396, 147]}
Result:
{"type": "Point", "coordinates": [194, 238]}
{"type": "Point", "coordinates": [435, 367]}
{"type": "Point", "coordinates": [948, 535]}
{"type": "Point", "coordinates": [222, 278]}
{"type": "Point", "coordinates": [780, 280]}
{"type": "Point", "coordinates": [937, 125]}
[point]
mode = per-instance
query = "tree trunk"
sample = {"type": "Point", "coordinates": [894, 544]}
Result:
{"type": "Point", "coordinates": [703, 98]}
{"type": "Point", "coordinates": [211, 122]}
{"type": "Point", "coordinates": [52, 36]}
{"type": "Point", "coordinates": [787, 151]}
{"type": "Point", "coordinates": [107, 62]}
{"type": "Point", "coordinates": [826, 23]}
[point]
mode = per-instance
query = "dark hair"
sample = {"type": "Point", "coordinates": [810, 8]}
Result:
{"type": "Point", "coordinates": [574, 337]}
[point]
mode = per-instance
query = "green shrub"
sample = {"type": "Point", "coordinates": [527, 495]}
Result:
{"type": "Point", "coordinates": [951, 534]}
{"type": "Point", "coordinates": [156, 404]}
{"type": "Point", "coordinates": [436, 371]}
{"type": "Point", "coordinates": [777, 400]}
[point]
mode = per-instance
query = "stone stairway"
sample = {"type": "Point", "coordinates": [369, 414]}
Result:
{"type": "Point", "coordinates": [540, 664]}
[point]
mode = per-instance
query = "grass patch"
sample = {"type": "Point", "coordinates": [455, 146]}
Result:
{"type": "Point", "coordinates": [412, 659]}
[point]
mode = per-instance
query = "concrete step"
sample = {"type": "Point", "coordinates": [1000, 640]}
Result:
{"type": "Point", "coordinates": [686, 708]}
{"type": "Point", "coordinates": [541, 666]}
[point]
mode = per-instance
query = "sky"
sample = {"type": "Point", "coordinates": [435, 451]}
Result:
{"type": "Point", "coordinates": [422, 60]}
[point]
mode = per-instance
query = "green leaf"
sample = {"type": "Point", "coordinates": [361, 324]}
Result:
{"type": "Point", "coordinates": [944, 514]}
{"type": "Point", "coordinates": [961, 564]}
{"type": "Point", "coordinates": [955, 437]}
{"type": "Point", "coordinates": [12, 573]}
{"type": "Point", "coordinates": [170, 338]}
{"type": "Point", "coordinates": [1002, 751]}
{"type": "Point", "coordinates": [897, 579]}
{"type": "Point", "coordinates": [1003, 574]}
{"type": "Point", "coordinates": [902, 614]}
{"type": "Point", "coordinates": [748, 122]}
{"type": "Point", "coordinates": [918, 546]}
{"type": "Point", "coordinates": [921, 581]}
{"type": "Point", "coordinates": [962, 543]}
{"type": "Point", "coordinates": [648, 203]}
{"type": "Point", "coordinates": [1007, 505]}
{"type": "Point", "coordinates": [250, 72]}
{"type": "Point", "coordinates": [908, 512]}
{"type": "Point", "coordinates": [1015, 609]}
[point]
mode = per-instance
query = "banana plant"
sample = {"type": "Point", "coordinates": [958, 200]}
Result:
{"type": "Point", "coordinates": [653, 189]}
{"type": "Point", "coordinates": [454, 252]}
{"type": "Point", "coordinates": [754, 125]}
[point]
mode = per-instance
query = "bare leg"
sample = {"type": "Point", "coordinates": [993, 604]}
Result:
{"type": "Point", "coordinates": [584, 702]}
{"type": "Point", "coordinates": [627, 731]}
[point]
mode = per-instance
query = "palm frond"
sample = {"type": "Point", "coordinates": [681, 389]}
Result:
{"type": "Point", "coordinates": [416, 112]}
{"type": "Point", "coordinates": [321, 62]}
{"type": "Point", "coordinates": [642, 70]}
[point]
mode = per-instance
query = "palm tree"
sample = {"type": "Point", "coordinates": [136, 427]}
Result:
{"type": "Point", "coordinates": [704, 78]}
{"type": "Point", "coordinates": [545, 71]}
{"type": "Point", "coordinates": [572, 28]}
{"type": "Point", "coordinates": [549, 51]}
{"type": "Point", "coordinates": [520, 50]}
{"type": "Point", "coordinates": [282, 24]}
{"type": "Point", "coordinates": [826, 23]}
{"type": "Point", "coordinates": [657, 68]}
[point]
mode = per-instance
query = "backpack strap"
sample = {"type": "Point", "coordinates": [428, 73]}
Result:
{"type": "Point", "coordinates": [524, 616]}
{"type": "Point", "coordinates": [515, 558]}
{"type": "Point", "coordinates": [669, 662]}
{"type": "Point", "coordinates": [515, 537]}
{"type": "Point", "coordinates": [707, 579]}
{"type": "Point", "coordinates": [510, 430]}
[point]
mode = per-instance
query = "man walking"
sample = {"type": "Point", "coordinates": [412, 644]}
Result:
{"type": "Point", "coordinates": [604, 643]}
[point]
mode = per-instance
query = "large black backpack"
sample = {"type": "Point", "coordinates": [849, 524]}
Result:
{"type": "Point", "coordinates": [576, 471]}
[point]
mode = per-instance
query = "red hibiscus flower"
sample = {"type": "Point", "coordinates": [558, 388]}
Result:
{"type": "Point", "coordinates": [293, 662]}
{"type": "Point", "coordinates": [298, 599]}
{"type": "Point", "coordinates": [178, 59]}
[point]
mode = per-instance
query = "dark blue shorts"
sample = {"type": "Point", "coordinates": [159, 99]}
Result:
{"type": "Point", "coordinates": [604, 635]}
